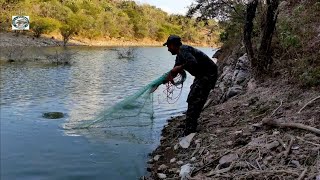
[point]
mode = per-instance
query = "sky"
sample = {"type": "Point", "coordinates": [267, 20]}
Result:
{"type": "Point", "coordinates": [170, 6]}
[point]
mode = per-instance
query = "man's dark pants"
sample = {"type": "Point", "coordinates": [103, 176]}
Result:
{"type": "Point", "coordinates": [199, 92]}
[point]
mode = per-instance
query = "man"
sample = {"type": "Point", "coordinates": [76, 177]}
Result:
{"type": "Point", "coordinates": [202, 68]}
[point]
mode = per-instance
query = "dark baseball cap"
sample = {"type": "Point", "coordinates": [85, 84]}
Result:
{"type": "Point", "coordinates": [172, 38]}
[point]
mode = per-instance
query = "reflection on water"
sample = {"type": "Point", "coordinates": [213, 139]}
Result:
{"type": "Point", "coordinates": [36, 148]}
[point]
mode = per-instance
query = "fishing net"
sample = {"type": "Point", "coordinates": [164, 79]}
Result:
{"type": "Point", "coordinates": [135, 110]}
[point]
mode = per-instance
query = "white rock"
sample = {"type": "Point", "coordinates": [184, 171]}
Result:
{"type": "Point", "coordinates": [185, 141]}
{"type": "Point", "coordinates": [176, 147]}
{"type": "Point", "coordinates": [180, 162]}
{"type": "Point", "coordinates": [185, 171]}
{"type": "Point", "coordinates": [156, 157]}
{"type": "Point", "coordinates": [318, 177]}
{"type": "Point", "coordinates": [162, 167]}
{"type": "Point", "coordinates": [162, 176]}
{"type": "Point", "coordinates": [193, 159]}
{"type": "Point", "coordinates": [173, 160]}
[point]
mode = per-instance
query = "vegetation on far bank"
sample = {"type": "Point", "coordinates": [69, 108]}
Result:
{"type": "Point", "coordinates": [95, 19]}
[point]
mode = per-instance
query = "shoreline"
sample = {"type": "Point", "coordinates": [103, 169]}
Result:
{"type": "Point", "coordinates": [10, 39]}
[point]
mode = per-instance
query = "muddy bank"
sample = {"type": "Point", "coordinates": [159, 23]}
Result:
{"type": "Point", "coordinates": [249, 130]}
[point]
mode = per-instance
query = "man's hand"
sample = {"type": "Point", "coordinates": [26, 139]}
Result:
{"type": "Point", "coordinates": [174, 72]}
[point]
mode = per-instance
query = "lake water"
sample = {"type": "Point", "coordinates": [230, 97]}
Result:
{"type": "Point", "coordinates": [33, 147]}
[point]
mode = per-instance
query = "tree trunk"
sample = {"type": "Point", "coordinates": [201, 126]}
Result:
{"type": "Point", "coordinates": [264, 54]}
{"type": "Point", "coordinates": [247, 31]}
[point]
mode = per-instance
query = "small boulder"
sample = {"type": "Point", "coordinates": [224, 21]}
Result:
{"type": "Point", "coordinates": [173, 160]}
{"type": "Point", "coordinates": [156, 157]}
{"type": "Point", "coordinates": [162, 176]}
{"type": "Point", "coordinates": [53, 115]}
{"type": "Point", "coordinates": [185, 141]}
{"type": "Point", "coordinates": [162, 167]}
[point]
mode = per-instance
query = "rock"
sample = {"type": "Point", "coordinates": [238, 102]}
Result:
{"type": "Point", "coordinates": [176, 147]}
{"type": "Point", "coordinates": [149, 168]}
{"type": "Point", "coordinates": [163, 138]}
{"type": "Point", "coordinates": [162, 167]}
{"type": "Point", "coordinates": [272, 145]}
{"type": "Point", "coordinates": [267, 160]}
{"type": "Point", "coordinates": [185, 141]}
{"type": "Point", "coordinates": [276, 133]}
{"type": "Point", "coordinates": [157, 157]}
{"type": "Point", "coordinates": [180, 162]}
{"type": "Point", "coordinates": [173, 170]}
{"type": "Point", "coordinates": [198, 141]}
{"type": "Point", "coordinates": [150, 161]}
{"type": "Point", "coordinates": [162, 176]}
{"type": "Point", "coordinates": [238, 132]}
{"type": "Point", "coordinates": [295, 163]}
{"type": "Point", "coordinates": [318, 177]}
{"type": "Point", "coordinates": [229, 143]}
{"type": "Point", "coordinates": [53, 115]}
{"type": "Point", "coordinates": [233, 91]}
{"type": "Point", "coordinates": [185, 171]}
{"type": "Point", "coordinates": [193, 159]}
{"type": "Point", "coordinates": [173, 160]}
{"type": "Point", "coordinates": [228, 159]}
{"type": "Point", "coordinates": [168, 148]}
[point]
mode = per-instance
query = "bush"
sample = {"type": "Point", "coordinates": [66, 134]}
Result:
{"type": "Point", "coordinates": [311, 77]}
{"type": "Point", "coordinates": [44, 25]}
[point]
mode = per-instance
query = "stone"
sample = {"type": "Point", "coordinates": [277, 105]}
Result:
{"type": "Point", "coordinates": [233, 91]}
{"type": "Point", "coordinates": [185, 141]}
{"type": "Point", "coordinates": [295, 163]}
{"type": "Point", "coordinates": [150, 161]}
{"type": "Point", "coordinates": [272, 145]}
{"type": "Point", "coordinates": [176, 147]}
{"type": "Point", "coordinates": [180, 162]}
{"type": "Point", "coordinates": [156, 157]}
{"type": "Point", "coordinates": [229, 143]}
{"type": "Point", "coordinates": [267, 160]}
{"type": "Point", "coordinates": [198, 141]}
{"type": "Point", "coordinates": [149, 168]}
{"type": "Point", "coordinates": [162, 176]}
{"type": "Point", "coordinates": [173, 170]}
{"type": "Point", "coordinates": [53, 115]}
{"type": "Point", "coordinates": [185, 171]}
{"type": "Point", "coordinates": [168, 148]}
{"type": "Point", "coordinates": [173, 160]}
{"type": "Point", "coordinates": [228, 158]}
{"type": "Point", "coordinates": [162, 167]}
{"type": "Point", "coordinates": [193, 159]}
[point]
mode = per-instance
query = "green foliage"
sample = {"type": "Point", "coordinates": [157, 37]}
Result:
{"type": "Point", "coordinates": [311, 77]}
{"type": "Point", "coordinates": [43, 25]}
{"type": "Point", "coordinates": [96, 19]}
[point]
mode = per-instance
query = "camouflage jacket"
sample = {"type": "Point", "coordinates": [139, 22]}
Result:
{"type": "Point", "coordinates": [195, 62]}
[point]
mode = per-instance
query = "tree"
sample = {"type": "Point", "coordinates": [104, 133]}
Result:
{"type": "Point", "coordinates": [231, 11]}
{"type": "Point", "coordinates": [43, 25]}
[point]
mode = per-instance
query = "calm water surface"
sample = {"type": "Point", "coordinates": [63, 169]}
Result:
{"type": "Point", "coordinates": [36, 148]}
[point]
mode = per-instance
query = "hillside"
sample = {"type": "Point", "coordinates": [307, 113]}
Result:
{"type": "Point", "coordinates": [106, 20]}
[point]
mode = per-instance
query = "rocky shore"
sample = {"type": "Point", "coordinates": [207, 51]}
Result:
{"type": "Point", "coordinates": [248, 130]}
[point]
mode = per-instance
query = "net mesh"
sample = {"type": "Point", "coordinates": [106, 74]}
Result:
{"type": "Point", "coordinates": [135, 110]}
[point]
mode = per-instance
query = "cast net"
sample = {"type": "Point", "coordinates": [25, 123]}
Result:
{"type": "Point", "coordinates": [135, 110]}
